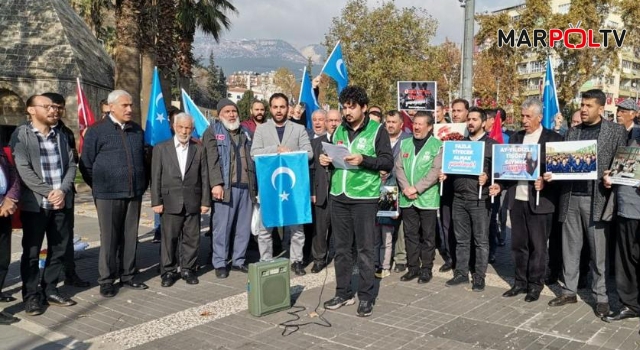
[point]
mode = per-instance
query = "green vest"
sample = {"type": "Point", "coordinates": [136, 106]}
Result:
{"type": "Point", "coordinates": [357, 183]}
{"type": "Point", "coordinates": [416, 167]}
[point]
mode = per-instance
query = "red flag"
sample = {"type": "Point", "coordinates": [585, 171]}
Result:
{"type": "Point", "coordinates": [406, 120]}
{"type": "Point", "coordinates": [85, 115]}
{"type": "Point", "coordinates": [496, 130]}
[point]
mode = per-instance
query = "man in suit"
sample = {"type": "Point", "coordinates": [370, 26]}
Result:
{"type": "Point", "coordinates": [318, 124]}
{"type": "Point", "coordinates": [180, 193]}
{"type": "Point", "coordinates": [582, 203]}
{"type": "Point", "coordinates": [280, 135]}
{"type": "Point", "coordinates": [530, 222]}
{"type": "Point", "coordinates": [320, 183]}
{"type": "Point", "coordinates": [47, 169]}
{"type": "Point", "coordinates": [113, 165]}
{"type": "Point", "coordinates": [233, 187]}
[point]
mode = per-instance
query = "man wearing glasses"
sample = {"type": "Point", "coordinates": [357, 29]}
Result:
{"type": "Point", "coordinates": [47, 169]}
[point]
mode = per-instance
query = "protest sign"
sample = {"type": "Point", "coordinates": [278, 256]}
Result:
{"type": "Point", "coordinates": [572, 160]}
{"type": "Point", "coordinates": [625, 169]}
{"type": "Point", "coordinates": [516, 162]}
{"type": "Point", "coordinates": [388, 202]}
{"type": "Point", "coordinates": [463, 157]}
{"type": "Point", "coordinates": [450, 131]}
{"type": "Point", "coordinates": [420, 95]}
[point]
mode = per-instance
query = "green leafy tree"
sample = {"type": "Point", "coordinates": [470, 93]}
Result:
{"type": "Point", "coordinates": [383, 45]}
{"type": "Point", "coordinates": [216, 84]}
{"type": "Point", "coordinates": [244, 105]}
{"type": "Point", "coordinates": [286, 81]}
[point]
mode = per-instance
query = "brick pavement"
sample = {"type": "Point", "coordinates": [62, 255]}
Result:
{"type": "Point", "coordinates": [406, 315]}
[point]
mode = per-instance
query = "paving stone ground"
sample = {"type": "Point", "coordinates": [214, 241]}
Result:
{"type": "Point", "coordinates": [213, 314]}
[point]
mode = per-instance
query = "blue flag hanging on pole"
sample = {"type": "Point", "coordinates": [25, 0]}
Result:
{"type": "Point", "coordinates": [335, 68]}
{"type": "Point", "coordinates": [283, 180]}
{"type": "Point", "coordinates": [308, 96]}
{"type": "Point", "coordinates": [550, 106]}
{"type": "Point", "coordinates": [157, 127]}
{"type": "Point", "coordinates": [200, 122]}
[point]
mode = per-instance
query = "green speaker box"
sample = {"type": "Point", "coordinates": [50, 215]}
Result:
{"type": "Point", "coordinates": [268, 287]}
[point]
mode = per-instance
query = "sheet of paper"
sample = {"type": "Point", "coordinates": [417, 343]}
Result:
{"type": "Point", "coordinates": [337, 154]}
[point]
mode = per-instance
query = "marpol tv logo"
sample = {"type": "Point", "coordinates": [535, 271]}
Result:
{"type": "Point", "coordinates": [571, 38]}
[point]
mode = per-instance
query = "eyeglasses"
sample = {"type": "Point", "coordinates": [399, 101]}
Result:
{"type": "Point", "coordinates": [51, 107]}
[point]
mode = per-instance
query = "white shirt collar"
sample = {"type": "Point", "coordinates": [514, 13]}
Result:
{"type": "Point", "coordinates": [177, 143]}
{"type": "Point", "coordinates": [115, 121]}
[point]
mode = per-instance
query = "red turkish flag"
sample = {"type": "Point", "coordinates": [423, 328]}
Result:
{"type": "Point", "coordinates": [496, 129]}
{"type": "Point", "coordinates": [406, 120]}
{"type": "Point", "coordinates": [85, 115]}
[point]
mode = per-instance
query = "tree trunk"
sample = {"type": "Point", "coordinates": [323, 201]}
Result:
{"type": "Point", "coordinates": [127, 57]}
{"type": "Point", "coordinates": [148, 63]}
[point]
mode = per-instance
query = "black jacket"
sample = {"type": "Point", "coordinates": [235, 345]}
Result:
{"type": "Point", "coordinates": [466, 186]}
{"type": "Point", "coordinates": [549, 194]}
{"type": "Point", "coordinates": [320, 176]}
{"type": "Point", "coordinates": [112, 161]}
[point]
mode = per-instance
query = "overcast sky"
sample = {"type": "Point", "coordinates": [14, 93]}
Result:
{"type": "Point", "coordinates": [304, 22]}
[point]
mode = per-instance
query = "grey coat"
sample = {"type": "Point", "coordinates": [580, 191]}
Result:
{"type": "Point", "coordinates": [610, 138]}
{"type": "Point", "coordinates": [26, 154]}
{"type": "Point", "coordinates": [266, 141]}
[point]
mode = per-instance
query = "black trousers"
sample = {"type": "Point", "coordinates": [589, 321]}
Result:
{"type": "Point", "coordinates": [447, 239]}
{"type": "Point", "coordinates": [628, 262]}
{"type": "Point", "coordinates": [179, 231]}
{"type": "Point", "coordinates": [322, 223]}
{"type": "Point", "coordinates": [35, 225]}
{"type": "Point", "coordinates": [471, 223]}
{"type": "Point", "coordinates": [420, 237]}
{"type": "Point", "coordinates": [69, 256]}
{"type": "Point", "coordinates": [354, 223]}
{"type": "Point", "coordinates": [5, 248]}
{"type": "Point", "coordinates": [529, 234]}
{"type": "Point", "coordinates": [118, 220]}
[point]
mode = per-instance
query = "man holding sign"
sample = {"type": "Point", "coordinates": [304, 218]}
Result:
{"type": "Point", "coordinates": [530, 218]}
{"type": "Point", "coordinates": [354, 198]}
{"type": "Point", "coordinates": [471, 208]}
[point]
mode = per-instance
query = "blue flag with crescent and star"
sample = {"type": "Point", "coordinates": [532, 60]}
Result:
{"type": "Point", "coordinates": [550, 106]}
{"type": "Point", "coordinates": [200, 122]}
{"type": "Point", "coordinates": [284, 191]}
{"type": "Point", "coordinates": [336, 69]}
{"type": "Point", "coordinates": [157, 128]}
{"type": "Point", "coordinates": [308, 97]}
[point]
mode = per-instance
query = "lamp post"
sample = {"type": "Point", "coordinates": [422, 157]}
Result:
{"type": "Point", "coordinates": [467, 54]}
{"type": "Point", "coordinates": [635, 86]}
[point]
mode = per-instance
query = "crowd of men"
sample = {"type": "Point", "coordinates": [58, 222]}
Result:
{"type": "Point", "coordinates": [551, 220]}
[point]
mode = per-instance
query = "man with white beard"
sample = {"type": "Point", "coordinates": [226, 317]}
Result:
{"type": "Point", "coordinates": [233, 187]}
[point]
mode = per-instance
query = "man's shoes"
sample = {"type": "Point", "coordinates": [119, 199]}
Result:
{"type": "Point", "coordinates": [624, 313]}
{"type": "Point", "coordinates": [337, 302]}
{"type": "Point", "coordinates": [242, 268]}
{"type": "Point", "coordinates": [382, 273]}
{"type": "Point", "coordinates": [478, 283]}
{"type": "Point", "coordinates": [298, 269]}
{"type": "Point", "coordinates": [318, 266]}
{"type": "Point", "coordinates": [134, 285]}
{"type": "Point", "coordinates": [532, 295]}
{"type": "Point", "coordinates": [74, 280]}
{"type": "Point", "coordinates": [515, 290]}
{"type": "Point", "coordinates": [425, 277]}
{"type": "Point", "coordinates": [410, 275]}
{"type": "Point", "coordinates": [156, 236]}
{"type": "Point", "coordinates": [563, 300]}
{"type": "Point", "coordinates": [108, 290]}
{"type": "Point", "coordinates": [446, 267]}
{"type": "Point", "coordinates": [190, 277]}
{"type": "Point", "coordinates": [168, 279]}
{"type": "Point", "coordinates": [457, 279]}
{"type": "Point", "coordinates": [602, 310]}
{"type": "Point", "coordinates": [33, 307]}
{"type": "Point", "coordinates": [492, 259]}
{"type": "Point", "coordinates": [60, 300]}
{"type": "Point", "coordinates": [6, 298]}
{"type": "Point", "coordinates": [399, 268]}
{"type": "Point", "coordinates": [7, 320]}
{"type": "Point", "coordinates": [221, 272]}
{"type": "Point", "coordinates": [365, 308]}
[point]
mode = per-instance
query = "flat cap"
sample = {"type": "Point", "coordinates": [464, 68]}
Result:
{"type": "Point", "coordinates": [628, 104]}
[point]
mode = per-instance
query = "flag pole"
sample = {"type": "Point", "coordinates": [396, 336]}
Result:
{"type": "Point", "coordinates": [304, 72]}
{"type": "Point", "coordinates": [331, 54]}
{"type": "Point", "coordinates": [84, 115]}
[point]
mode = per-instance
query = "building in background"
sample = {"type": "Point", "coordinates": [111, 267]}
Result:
{"type": "Point", "coordinates": [262, 85]}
